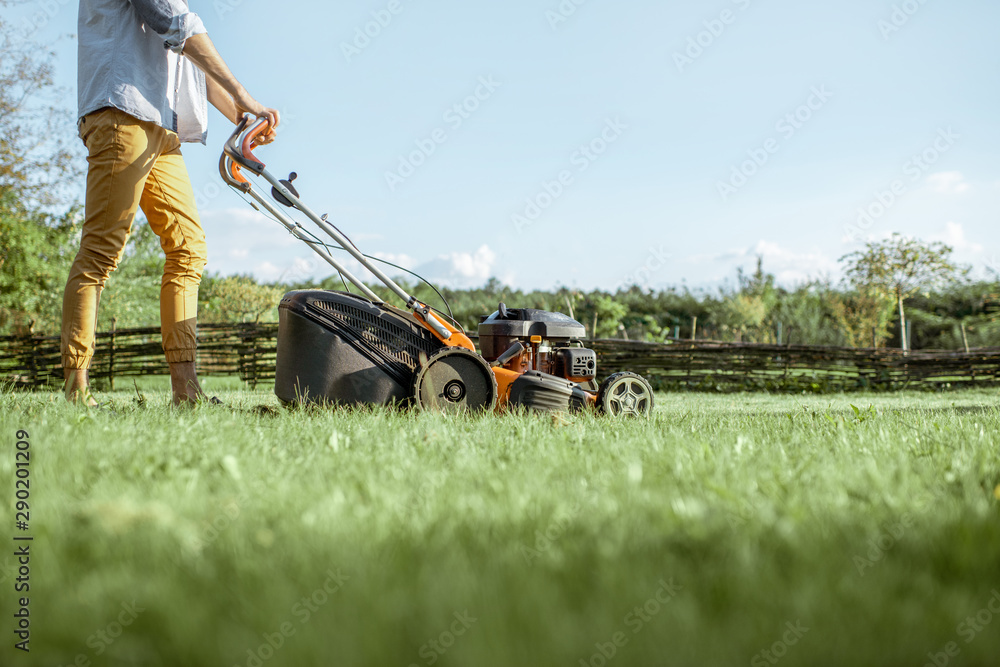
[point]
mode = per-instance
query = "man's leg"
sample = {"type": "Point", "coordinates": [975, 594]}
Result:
{"type": "Point", "coordinates": [120, 155]}
{"type": "Point", "coordinates": [169, 205]}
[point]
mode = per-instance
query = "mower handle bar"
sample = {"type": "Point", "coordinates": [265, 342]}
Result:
{"type": "Point", "coordinates": [239, 151]}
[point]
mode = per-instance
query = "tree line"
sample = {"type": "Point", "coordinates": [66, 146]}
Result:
{"type": "Point", "coordinates": [889, 286]}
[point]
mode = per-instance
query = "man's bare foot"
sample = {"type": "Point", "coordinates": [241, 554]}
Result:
{"type": "Point", "coordinates": [77, 388]}
{"type": "Point", "coordinates": [184, 382]}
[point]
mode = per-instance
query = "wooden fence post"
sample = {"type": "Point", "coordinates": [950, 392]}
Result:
{"type": "Point", "coordinates": [248, 353]}
{"type": "Point", "coordinates": [965, 339]}
{"type": "Point", "coordinates": [111, 354]}
{"type": "Point", "coordinates": [253, 356]}
{"type": "Point", "coordinates": [694, 327]}
{"type": "Point", "coordinates": [32, 361]}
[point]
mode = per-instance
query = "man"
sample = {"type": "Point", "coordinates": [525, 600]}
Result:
{"type": "Point", "coordinates": [140, 97]}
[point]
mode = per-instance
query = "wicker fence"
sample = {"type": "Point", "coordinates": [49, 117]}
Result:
{"type": "Point", "coordinates": [248, 350]}
{"type": "Point", "coordinates": [713, 366]}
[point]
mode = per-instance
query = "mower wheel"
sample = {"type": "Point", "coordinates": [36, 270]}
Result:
{"type": "Point", "coordinates": [625, 394]}
{"type": "Point", "coordinates": [454, 379]}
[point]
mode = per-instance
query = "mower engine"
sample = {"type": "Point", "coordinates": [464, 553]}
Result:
{"type": "Point", "coordinates": [539, 358]}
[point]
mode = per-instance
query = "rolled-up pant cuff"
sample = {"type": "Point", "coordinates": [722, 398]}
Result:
{"type": "Point", "coordinates": [180, 356]}
{"type": "Point", "coordinates": [76, 363]}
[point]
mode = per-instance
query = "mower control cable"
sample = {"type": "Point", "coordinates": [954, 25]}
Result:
{"type": "Point", "coordinates": [447, 305]}
{"type": "Point", "coordinates": [316, 241]}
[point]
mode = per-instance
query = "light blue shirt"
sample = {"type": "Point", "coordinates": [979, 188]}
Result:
{"type": "Point", "coordinates": [130, 58]}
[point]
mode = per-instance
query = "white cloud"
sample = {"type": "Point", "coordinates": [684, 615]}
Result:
{"type": "Point", "coordinates": [788, 266]}
{"type": "Point", "coordinates": [460, 269]}
{"type": "Point", "coordinates": [267, 272]}
{"type": "Point", "coordinates": [860, 239]}
{"type": "Point", "coordinates": [948, 182]}
{"type": "Point", "coordinates": [954, 235]}
{"type": "Point", "coordinates": [235, 219]}
{"type": "Point", "coordinates": [401, 259]}
{"type": "Point", "coordinates": [726, 255]}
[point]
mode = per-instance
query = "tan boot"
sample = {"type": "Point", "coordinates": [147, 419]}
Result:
{"type": "Point", "coordinates": [77, 387]}
{"type": "Point", "coordinates": [184, 383]}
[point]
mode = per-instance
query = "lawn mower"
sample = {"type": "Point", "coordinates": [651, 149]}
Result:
{"type": "Point", "coordinates": [349, 348]}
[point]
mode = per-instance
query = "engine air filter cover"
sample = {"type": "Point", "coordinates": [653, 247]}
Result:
{"type": "Point", "coordinates": [505, 325]}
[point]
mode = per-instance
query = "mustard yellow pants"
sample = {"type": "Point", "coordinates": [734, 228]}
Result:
{"type": "Point", "coordinates": [134, 164]}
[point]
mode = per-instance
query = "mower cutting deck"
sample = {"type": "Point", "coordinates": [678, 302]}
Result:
{"type": "Point", "coordinates": [354, 349]}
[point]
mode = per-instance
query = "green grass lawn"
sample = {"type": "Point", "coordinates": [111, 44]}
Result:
{"type": "Point", "coordinates": [727, 530]}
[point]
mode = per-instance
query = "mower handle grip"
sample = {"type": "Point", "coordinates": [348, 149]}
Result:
{"type": "Point", "coordinates": [231, 174]}
{"type": "Point", "coordinates": [239, 147]}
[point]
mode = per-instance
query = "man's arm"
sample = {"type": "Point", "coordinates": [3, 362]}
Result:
{"type": "Point", "coordinates": [221, 100]}
{"type": "Point", "coordinates": [200, 49]}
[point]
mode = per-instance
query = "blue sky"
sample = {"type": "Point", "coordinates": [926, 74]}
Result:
{"type": "Point", "coordinates": [554, 143]}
